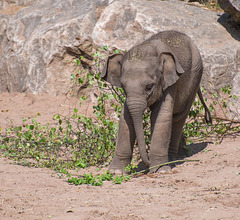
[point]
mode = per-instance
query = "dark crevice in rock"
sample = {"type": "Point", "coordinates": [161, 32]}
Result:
{"type": "Point", "coordinates": [231, 26]}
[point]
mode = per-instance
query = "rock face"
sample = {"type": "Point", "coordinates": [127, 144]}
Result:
{"type": "Point", "coordinates": [38, 41]}
{"type": "Point", "coordinates": [232, 7]}
{"type": "Point", "coordinates": [8, 3]}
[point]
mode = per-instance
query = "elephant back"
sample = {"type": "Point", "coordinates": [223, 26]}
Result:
{"type": "Point", "coordinates": [179, 44]}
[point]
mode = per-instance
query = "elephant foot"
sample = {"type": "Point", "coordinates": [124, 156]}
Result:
{"type": "Point", "coordinates": [117, 166]}
{"type": "Point", "coordinates": [116, 172]}
{"type": "Point", "coordinates": [159, 162]}
{"type": "Point", "coordinates": [163, 169]}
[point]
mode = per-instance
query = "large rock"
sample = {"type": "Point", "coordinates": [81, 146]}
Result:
{"type": "Point", "coordinates": [37, 44]}
{"type": "Point", "coordinates": [37, 41]}
{"type": "Point", "coordinates": [232, 7]}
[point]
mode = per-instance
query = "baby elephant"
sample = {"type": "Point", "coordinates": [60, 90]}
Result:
{"type": "Point", "coordinates": [162, 73]}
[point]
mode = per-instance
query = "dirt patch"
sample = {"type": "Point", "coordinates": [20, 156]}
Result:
{"type": "Point", "coordinates": [209, 189]}
{"type": "Point", "coordinates": [14, 107]}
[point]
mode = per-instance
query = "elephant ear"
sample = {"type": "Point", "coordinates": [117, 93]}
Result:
{"type": "Point", "coordinates": [171, 69]}
{"type": "Point", "coordinates": [112, 70]}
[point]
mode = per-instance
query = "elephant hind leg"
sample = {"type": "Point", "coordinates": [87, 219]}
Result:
{"type": "Point", "coordinates": [176, 136]}
{"type": "Point", "coordinates": [182, 152]}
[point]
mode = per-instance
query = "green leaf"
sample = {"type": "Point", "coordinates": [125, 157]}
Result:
{"type": "Point", "coordinates": [116, 51]}
{"type": "Point", "coordinates": [77, 61]}
{"type": "Point", "coordinates": [73, 76]}
{"type": "Point", "coordinates": [105, 48]}
{"type": "Point", "coordinates": [83, 98]}
{"type": "Point", "coordinates": [31, 127]}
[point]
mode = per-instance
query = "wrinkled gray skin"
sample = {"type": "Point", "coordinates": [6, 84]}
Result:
{"type": "Point", "coordinates": [163, 73]}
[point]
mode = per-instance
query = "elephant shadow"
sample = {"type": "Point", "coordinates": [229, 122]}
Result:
{"type": "Point", "coordinates": [193, 149]}
{"type": "Point", "coordinates": [190, 150]}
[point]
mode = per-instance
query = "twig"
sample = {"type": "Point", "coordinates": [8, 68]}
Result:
{"type": "Point", "coordinates": [119, 95]}
{"type": "Point", "coordinates": [223, 119]}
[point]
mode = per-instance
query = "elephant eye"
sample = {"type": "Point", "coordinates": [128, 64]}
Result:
{"type": "Point", "coordinates": [149, 87]}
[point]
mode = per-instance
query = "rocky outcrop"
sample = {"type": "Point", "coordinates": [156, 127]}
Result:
{"type": "Point", "coordinates": [232, 7]}
{"type": "Point", "coordinates": [38, 42]}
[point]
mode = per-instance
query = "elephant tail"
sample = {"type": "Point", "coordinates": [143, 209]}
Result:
{"type": "Point", "coordinates": [208, 117]}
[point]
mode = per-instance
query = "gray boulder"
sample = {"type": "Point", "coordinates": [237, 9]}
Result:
{"type": "Point", "coordinates": [39, 42]}
{"type": "Point", "coordinates": [125, 23]}
{"type": "Point", "coordinates": [232, 7]}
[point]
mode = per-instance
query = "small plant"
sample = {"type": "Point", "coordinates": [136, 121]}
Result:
{"type": "Point", "coordinates": [74, 142]}
{"type": "Point", "coordinates": [98, 179]}
{"type": "Point", "coordinates": [211, 4]}
{"type": "Point", "coordinates": [223, 125]}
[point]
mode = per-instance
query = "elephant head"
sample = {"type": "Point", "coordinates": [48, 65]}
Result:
{"type": "Point", "coordinates": [144, 74]}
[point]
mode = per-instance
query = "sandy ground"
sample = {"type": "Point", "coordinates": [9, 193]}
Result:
{"type": "Point", "coordinates": [208, 189]}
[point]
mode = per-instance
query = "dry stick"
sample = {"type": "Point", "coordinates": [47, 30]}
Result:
{"type": "Point", "coordinates": [223, 119]}
{"type": "Point", "coordinates": [119, 95]}
{"type": "Point", "coordinates": [164, 164]}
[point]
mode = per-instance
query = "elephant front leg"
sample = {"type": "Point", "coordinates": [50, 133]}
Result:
{"type": "Point", "coordinates": [161, 119]}
{"type": "Point", "coordinates": [125, 141]}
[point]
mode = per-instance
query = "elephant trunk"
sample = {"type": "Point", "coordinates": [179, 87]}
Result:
{"type": "Point", "coordinates": [136, 109]}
